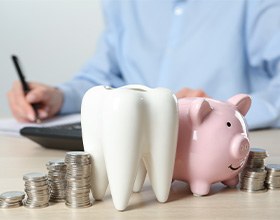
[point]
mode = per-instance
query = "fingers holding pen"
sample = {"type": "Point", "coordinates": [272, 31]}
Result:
{"type": "Point", "coordinates": [22, 105]}
{"type": "Point", "coordinates": [33, 101]}
{"type": "Point", "coordinates": [49, 98]}
{"type": "Point", "coordinates": [21, 109]}
{"type": "Point", "coordinates": [39, 97]}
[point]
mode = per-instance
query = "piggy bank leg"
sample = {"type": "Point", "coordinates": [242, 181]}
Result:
{"type": "Point", "coordinates": [199, 188]}
{"type": "Point", "coordinates": [231, 182]}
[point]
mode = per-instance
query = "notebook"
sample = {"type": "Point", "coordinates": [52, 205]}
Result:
{"type": "Point", "coordinates": [61, 132]}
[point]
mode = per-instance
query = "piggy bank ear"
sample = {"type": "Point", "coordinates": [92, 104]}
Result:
{"type": "Point", "coordinates": [199, 110]}
{"type": "Point", "coordinates": [242, 102]}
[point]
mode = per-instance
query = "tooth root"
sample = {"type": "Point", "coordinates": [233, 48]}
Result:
{"type": "Point", "coordinates": [99, 180]}
{"type": "Point", "coordinates": [91, 141]}
{"type": "Point", "coordinates": [160, 161]}
{"type": "Point", "coordinates": [140, 178]}
{"type": "Point", "coordinates": [160, 172]}
{"type": "Point", "coordinates": [122, 151]}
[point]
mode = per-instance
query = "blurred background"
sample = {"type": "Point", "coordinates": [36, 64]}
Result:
{"type": "Point", "coordinates": [52, 38]}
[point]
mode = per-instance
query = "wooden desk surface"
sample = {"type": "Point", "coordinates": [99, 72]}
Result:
{"type": "Point", "coordinates": [19, 156]}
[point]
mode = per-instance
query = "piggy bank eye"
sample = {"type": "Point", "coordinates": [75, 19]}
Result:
{"type": "Point", "coordinates": [228, 124]}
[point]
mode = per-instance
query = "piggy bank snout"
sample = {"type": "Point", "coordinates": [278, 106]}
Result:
{"type": "Point", "coordinates": [240, 146]}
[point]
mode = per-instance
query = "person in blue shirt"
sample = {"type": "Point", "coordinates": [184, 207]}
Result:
{"type": "Point", "coordinates": [214, 48]}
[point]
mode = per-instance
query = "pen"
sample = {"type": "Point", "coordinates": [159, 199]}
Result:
{"type": "Point", "coordinates": [25, 85]}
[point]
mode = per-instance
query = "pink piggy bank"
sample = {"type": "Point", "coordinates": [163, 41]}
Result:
{"type": "Point", "coordinates": [213, 142]}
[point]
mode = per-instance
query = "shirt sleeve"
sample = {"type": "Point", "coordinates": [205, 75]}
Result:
{"type": "Point", "coordinates": [263, 48]}
{"type": "Point", "coordinates": [102, 68]}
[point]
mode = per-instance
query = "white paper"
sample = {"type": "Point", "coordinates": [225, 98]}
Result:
{"type": "Point", "coordinates": [12, 127]}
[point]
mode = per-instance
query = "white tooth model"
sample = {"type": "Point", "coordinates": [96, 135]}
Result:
{"type": "Point", "coordinates": [128, 130]}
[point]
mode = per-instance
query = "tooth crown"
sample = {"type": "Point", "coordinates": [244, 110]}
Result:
{"type": "Point", "coordinates": [127, 131]}
{"type": "Point", "coordinates": [213, 143]}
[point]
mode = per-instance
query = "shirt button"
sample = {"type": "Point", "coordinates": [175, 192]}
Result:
{"type": "Point", "coordinates": [178, 11]}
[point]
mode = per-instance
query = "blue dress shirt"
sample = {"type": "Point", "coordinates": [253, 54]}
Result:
{"type": "Point", "coordinates": [223, 47]}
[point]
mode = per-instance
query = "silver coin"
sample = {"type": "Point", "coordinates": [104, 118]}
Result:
{"type": "Point", "coordinates": [253, 191]}
{"type": "Point", "coordinates": [12, 196]}
{"type": "Point", "coordinates": [256, 150]}
{"type": "Point", "coordinates": [56, 162]}
{"type": "Point", "coordinates": [34, 206]}
{"type": "Point", "coordinates": [35, 184]}
{"type": "Point", "coordinates": [77, 153]}
{"type": "Point", "coordinates": [273, 167]}
{"type": "Point", "coordinates": [5, 205]}
{"type": "Point", "coordinates": [73, 205]}
{"type": "Point", "coordinates": [35, 177]}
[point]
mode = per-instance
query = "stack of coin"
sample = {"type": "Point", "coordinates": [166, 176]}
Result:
{"type": "Point", "coordinates": [256, 158]}
{"type": "Point", "coordinates": [78, 179]}
{"type": "Point", "coordinates": [253, 176]}
{"type": "Point", "coordinates": [57, 179]}
{"type": "Point", "coordinates": [37, 190]}
{"type": "Point", "coordinates": [252, 180]}
{"type": "Point", "coordinates": [272, 180]}
{"type": "Point", "coordinates": [11, 199]}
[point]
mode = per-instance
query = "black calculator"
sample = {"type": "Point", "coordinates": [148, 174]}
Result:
{"type": "Point", "coordinates": [64, 137]}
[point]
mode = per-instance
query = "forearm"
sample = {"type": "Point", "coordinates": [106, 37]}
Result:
{"type": "Point", "coordinates": [263, 113]}
{"type": "Point", "coordinates": [263, 43]}
{"type": "Point", "coordinates": [73, 92]}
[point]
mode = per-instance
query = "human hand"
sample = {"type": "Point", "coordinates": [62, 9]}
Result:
{"type": "Point", "coordinates": [48, 99]}
{"type": "Point", "coordinates": [186, 92]}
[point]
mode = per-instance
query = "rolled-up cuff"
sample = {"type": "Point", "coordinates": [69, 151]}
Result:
{"type": "Point", "coordinates": [71, 100]}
